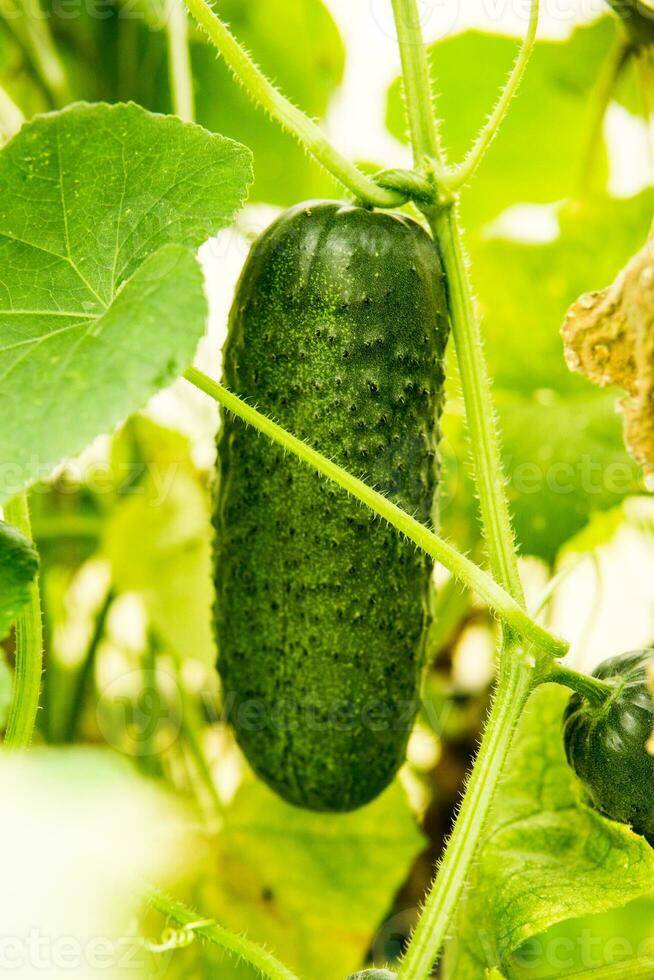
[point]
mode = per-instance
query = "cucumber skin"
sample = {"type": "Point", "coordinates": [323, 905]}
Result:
{"type": "Point", "coordinates": [338, 330]}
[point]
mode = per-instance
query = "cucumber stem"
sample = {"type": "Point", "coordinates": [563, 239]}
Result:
{"type": "Point", "coordinates": [240, 947]}
{"type": "Point", "coordinates": [431, 930]}
{"type": "Point", "coordinates": [418, 96]}
{"type": "Point", "coordinates": [463, 568]}
{"type": "Point", "coordinates": [516, 673]}
{"type": "Point", "coordinates": [480, 411]}
{"type": "Point", "coordinates": [594, 690]}
{"type": "Point", "coordinates": [29, 646]}
{"type": "Point", "coordinates": [261, 90]}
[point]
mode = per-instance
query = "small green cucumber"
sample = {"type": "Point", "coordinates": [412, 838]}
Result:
{"type": "Point", "coordinates": [606, 744]}
{"type": "Point", "coordinates": [338, 331]}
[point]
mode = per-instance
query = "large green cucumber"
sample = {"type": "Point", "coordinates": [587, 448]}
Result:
{"type": "Point", "coordinates": [338, 331]}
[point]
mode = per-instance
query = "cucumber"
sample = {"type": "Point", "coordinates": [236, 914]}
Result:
{"type": "Point", "coordinates": [338, 330]}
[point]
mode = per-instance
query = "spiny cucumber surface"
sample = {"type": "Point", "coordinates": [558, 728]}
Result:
{"type": "Point", "coordinates": [338, 331]}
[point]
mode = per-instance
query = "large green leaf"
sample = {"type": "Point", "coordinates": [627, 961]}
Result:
{"type": "Point", "coordinates": [18, 567]}
{"type": "Point", "coordinates": [524, 289]}
{"type": "Point", "coordinates": [617, 942]}
{"type": "Point", "coordinates": [564, 459]}
{"type": "Point", "coordinates": [169, 514]}
{"type": "Point", "coordinates": [101, 297]}
{"type": "Point", "coordinates": [313, 887]}
{"type": "Point", "coordinates": [546, 856]}
{"type": "Point", "coordinates": [537, 154]}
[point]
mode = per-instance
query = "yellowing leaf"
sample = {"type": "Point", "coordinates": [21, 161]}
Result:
{"type": "Point", "coordinates": [312, 887]}
{"type": "Point", "coordinates": [609, 337]}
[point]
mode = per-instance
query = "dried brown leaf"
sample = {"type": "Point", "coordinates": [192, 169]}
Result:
{"type": "Point", "coordinates": [609, 337]}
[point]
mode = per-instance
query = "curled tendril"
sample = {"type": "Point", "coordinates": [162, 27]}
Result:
{"type": "Point", "coordinates": [177, 938]}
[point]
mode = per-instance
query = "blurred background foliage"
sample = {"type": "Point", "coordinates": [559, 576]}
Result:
{"type": "Point", "coordinates": [124, 531]}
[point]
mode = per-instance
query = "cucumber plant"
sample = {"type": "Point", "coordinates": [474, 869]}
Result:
{"type": "Point", "coordinates": [333, 388]}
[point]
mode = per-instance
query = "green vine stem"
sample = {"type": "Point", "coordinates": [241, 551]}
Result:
{"type": "Point", "coordinates": [480, 411]}
{"type": "Point", "coordinates": [29, 647]}
{"type": "Point", "coordinates": [35, 34]}
{"type": "Point", "coordinates": [238, 946]}
{"type": "Point", "coordinates": [304, 129]}
{"type": "Point", "coordinates": [418, 96]}
{"type": "Point", "coordinates": [85, 673]}
{"type": "Point", "coordinates": [461, 174]}
{"type": "Point", "coordinates": [465, 326]}
{"type": "Point", "coordinates": [594, 690]}
{"type": "Point", "coordinates": [516, 674]}
{"type": "Point", "coordinates": [646, 71]}
{"type": "Point", "coordinates": [511, 694]}
{"type": "Point", "coordinates": [179, 61]}
{"type": "Point", "coordinates": [463, 568]}
{"type": "Point", "coordinates": [599, 102]}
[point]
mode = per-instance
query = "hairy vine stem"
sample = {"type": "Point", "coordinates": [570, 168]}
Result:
{"type": "Point", "coordinates": [460, 566]}
{"type": "Point", "coordinates": [510, 696]}
{"type": "Point", "coordinates": [594, 690]}
{"type": "Point", "coordinates": [418, 93]}
{"type": "Point", "coordinates": [480, 411]}
{"type": "Point", "coordinates": [516, 674]}
{"type": "Point", "coordinates": [461, 174]}
{"type": "Point", "coordinates": [29, 646]}
{"type": "Point", "coordinates": [179, 61]}
{"type": "Point", "coordinates": [212, 932]}
{"type": "Point", "coordinates": [304, 129]}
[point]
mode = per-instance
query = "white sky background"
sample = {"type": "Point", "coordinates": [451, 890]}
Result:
{"type": "Point", "coordinates": [356, 121]}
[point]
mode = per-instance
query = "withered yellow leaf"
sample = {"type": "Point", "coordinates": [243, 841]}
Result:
{"type": "Point", "coordinates": [609, 337]}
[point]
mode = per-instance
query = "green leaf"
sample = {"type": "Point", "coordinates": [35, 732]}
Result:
{"type": "Point", "coordinates": [525, 290]}
{"type": "Point", "coordinates": [537, 154]}
{"type": "Point", "coordinates": [546, 856]}
{"type": "Point", "coordinates": [565, 459]}
{"type": "Point", "coordinates": [562, 438]}
{"type": "Point", "coordinates": [613, 945]}
{"type": "Point", "coordinates": [18, 567]}
{"type": "Point", "coordinates": [312, 887]}
{"type": "Point", "coordinates": [101, 297]}
{"type": "Point", "coordinates": [307, 71]}
{"type": "Point", "coordinates": [169, 515]}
